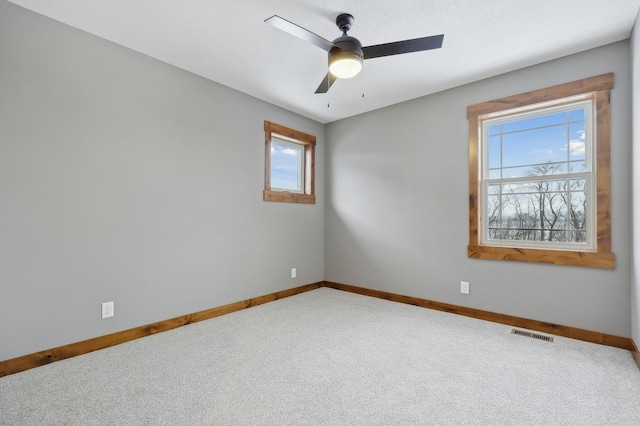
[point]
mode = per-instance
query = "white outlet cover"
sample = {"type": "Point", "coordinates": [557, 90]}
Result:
{"type": "Point", "coordinates": [107, 310]}
{"type": "Point", "coordinates": [294, 273]}
{"type": "Point", "coordinates": [464, 287]}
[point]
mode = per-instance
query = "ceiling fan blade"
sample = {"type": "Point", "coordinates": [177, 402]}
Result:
{"type": "Point", "coordinates": [298, 31]}
{"type": "Point", "coordinates": [328, 81]}
{"type": "Point", "coordinates": [406, 46]}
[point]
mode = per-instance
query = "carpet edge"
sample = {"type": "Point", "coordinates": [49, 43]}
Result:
{"type": "Point", "coordinates": [48, 356]}
{"type": "Point", "coordinates": [546, 327]}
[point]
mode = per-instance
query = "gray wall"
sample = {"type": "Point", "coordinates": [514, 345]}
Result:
{"type": "Point", "coordinates": [125, 179]}
{"type": "Point", "coordinates": [397, 205]}
{"type": "Point", "coordinates": [635, 282]}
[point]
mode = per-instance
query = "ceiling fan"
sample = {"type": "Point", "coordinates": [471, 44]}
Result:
{"type": "Point", "coordinates": [346, 53]}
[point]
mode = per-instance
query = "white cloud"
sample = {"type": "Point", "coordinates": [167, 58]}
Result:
{"type": "Point", "coordinates": [577, 147]}
{"type": "Point", "coordinates": [285, 151]}
{"type": "Point", "coordinates": [289, 151]}
{"type": "Point", "coordinates": [581, 134]}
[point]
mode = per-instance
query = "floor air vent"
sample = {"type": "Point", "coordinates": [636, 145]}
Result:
{"type": "Point", "coordinates": [532, 335]}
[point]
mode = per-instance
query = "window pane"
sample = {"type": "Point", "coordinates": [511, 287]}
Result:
{"type": "Point", "coordinates": [578, 204]}
{"type": "Point", "coordinates": [516, 188]}
{"type": "Point", "coordinates": [286, 161]}
{"type": "Point", "coordinates": [577, 115]}
{"type": "Point", "coordinates": [494, 152]}
{"type": "Point", "coordinates": [494, 130]}
{"type": "Point", "coordinates": [535, 122]}
{"type": "Point", "coordinates": [553, 210]}
{"type": "Point", "coordinates": [578, 236]}
{"type": "Point", "coordinates": [547, 169]}
{"type": "Point", "coordinates": [495, 174]}
{"type": "Point", "coordinates": [577, 167]}
{"type": "Point", "coordinates": [536, 146]}
{"type": "Point", "coordinates": [577, 141]}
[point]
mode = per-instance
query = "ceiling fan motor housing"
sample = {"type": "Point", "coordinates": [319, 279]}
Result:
{"type": "Point", "coordinates": [346, 44]}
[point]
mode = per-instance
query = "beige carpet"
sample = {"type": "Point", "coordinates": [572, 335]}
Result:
{"type": "Point", "coordinates": [328, 357]}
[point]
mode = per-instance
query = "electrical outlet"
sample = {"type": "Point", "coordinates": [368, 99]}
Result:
{"type": "Point", "coordinates": [107, 310]}
{"type": "Point", "coordinates": [464, 287]}
{"type": "Point", "coordinates": [293, 273]}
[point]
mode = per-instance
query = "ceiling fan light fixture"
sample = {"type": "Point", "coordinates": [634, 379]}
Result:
{"type": "Point", "coordinates": [345, 61]}
{"type": "Point", "coordinates": [346, 66]}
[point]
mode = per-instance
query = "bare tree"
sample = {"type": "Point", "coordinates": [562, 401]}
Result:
{"type": "Point", "coordinates": [548, 209]}
{"type": "Point", "coordinates": [545, 195]}
{"type": "Point", "coordinates": [574, 197]}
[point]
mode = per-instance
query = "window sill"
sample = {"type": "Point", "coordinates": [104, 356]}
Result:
{"type": "Point", "coordinates": [289, 197]}
{"type": "Point", "coordinates": [555, 257]}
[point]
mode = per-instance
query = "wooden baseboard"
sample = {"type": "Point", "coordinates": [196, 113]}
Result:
{"type": "Point", "coordinates": [37, 359]}
{"type": "Point", "coordinates": [556, 329]}
{"type": "Point", "coordinates": [635, 352]}
{"type": "Point", "coordinates": [27, 362]}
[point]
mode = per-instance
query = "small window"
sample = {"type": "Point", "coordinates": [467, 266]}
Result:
{"type": "Point", "coordinates": [539, 176]}
{"type": "Point", "coordinates": [289, 165]}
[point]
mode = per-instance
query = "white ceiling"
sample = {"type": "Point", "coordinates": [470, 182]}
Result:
{"type": "Point", "coordinates": [227, 41]}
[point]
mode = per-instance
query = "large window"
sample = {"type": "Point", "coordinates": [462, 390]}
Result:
{"type": "Point", "coordinates": [289, 165]}
{"type": "Point", "coordinates": [539, 176]}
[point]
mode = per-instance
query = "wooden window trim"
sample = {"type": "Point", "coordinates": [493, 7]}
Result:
{"type": "Point", "coordinates": [599, 87]}
{"type": "Point", "coordinates": [309, 143]}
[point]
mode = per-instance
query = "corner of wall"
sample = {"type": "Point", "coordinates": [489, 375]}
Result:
{"type": "Point", "coordinates": [635, 278]}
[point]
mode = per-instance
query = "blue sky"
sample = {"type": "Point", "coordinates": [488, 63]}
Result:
{"type": "Point", "coordinates": [554, 138]}
{"type": "Point", "coordinates": [284, 166]}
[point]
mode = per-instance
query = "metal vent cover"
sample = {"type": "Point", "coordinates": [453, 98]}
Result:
{"type": "Point", "coordinates": [532, 335]}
